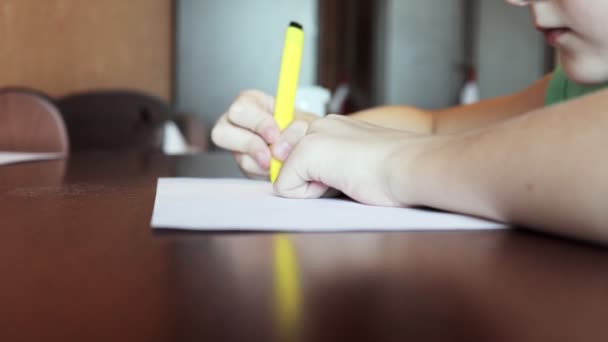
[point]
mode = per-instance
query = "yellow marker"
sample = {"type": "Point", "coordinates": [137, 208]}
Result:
{"type": "Point", "coordinates": [288, 84]}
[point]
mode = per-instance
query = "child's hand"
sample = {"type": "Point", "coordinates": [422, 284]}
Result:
{"type": "Point", "coordinates": [248, 128]}
{"type": "Point", "coordinates": [347, 155]}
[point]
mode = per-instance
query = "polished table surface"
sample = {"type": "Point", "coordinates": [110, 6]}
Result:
{"type": "Point", "coordinates": [79, 262]}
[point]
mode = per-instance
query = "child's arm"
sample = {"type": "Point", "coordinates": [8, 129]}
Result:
{"type": "Point", "coordinates": [248, 128]}
{"type": "Point", "coordinates": [461, 118]}
{"type": "Point", "coordinates": [547, 169]}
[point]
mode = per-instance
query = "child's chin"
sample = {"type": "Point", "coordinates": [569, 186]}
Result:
{"type": "Point", "coordinates": [586, 71]}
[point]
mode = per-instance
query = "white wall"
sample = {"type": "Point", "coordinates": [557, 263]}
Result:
{"type": "Point", "coordinates": [510, 53]}
{"type": "Point", "coordinates": [225, 46]}
{"type": "Point", "coordinates": [420, 52]}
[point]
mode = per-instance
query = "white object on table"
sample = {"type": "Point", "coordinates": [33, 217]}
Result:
{"type": "Point", "coordinates": [247, 205]}
{"type": "Point", "coordinates": [7, 158]}
{"type": "Point", "coordinates": [313, 99]}
{"type": "Point", "coordinates": [174, 142]}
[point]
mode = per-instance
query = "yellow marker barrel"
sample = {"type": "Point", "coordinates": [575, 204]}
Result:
{"type": "Point", "coordinates": [284, 106]}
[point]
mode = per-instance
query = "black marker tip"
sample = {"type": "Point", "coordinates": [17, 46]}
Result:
{"type": "Point", "coordinates": [296, 25]}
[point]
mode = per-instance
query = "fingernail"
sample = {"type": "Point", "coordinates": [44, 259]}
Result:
{"type": "Point", "coordinates": [271, 135]}
{"type": "Point", "coordinates": [281, 150]}
{"type": "Point", "coordinates": [263, 159]}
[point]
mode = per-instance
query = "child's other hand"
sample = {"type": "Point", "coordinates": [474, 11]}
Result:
{"type": "Point", "coordinates": [344, 154]}
{"type": "Point", "coordinates": [248, 128]}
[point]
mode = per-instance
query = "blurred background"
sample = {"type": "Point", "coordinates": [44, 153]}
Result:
{"type": "Point", "coordinates": [197, 55]}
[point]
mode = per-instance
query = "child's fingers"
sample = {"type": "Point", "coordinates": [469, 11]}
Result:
{"type": "Point", "coordinates": [265, 101]}
{"type": "Point", "coordinates": [247, 113]}
{"type": "Point", "coordinates": [299, 176]}
{"type": "Point", "coordinates": [289, 138]}
{"type": "Point", "coordinates": [250, 166]}
{"type": "Point", "coordinates": [237, 139]}
{"type": "Point", "coordinates": [304, 190]}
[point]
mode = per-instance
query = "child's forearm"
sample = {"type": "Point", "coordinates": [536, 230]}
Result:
{"type": "Point", "coordinates": [487, 112]}
{"type": "Point", "coordinates": [456, 119]}
{"type": "Point", "coordinates": [547, 169]}
{"type": "Point", "coordinates": [398, 117]}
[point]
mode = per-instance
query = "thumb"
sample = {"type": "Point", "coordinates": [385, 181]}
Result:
{"type": "Point", "coordinates": [289, 138]}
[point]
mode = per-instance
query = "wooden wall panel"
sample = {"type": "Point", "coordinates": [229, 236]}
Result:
{"type": "Point", "coordinates": [64, 46]}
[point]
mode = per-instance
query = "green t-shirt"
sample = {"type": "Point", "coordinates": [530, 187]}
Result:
{"type": "Point", "coordinates": [562, 89]}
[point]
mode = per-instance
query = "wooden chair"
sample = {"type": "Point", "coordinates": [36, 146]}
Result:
{"type": "Point", "coordinates": [30, 122]}
{"type": "Point", "coordinates": [114, 120]}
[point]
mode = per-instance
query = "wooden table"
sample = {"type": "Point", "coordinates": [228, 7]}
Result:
{"type": "Point", "coordinates": [79, 262]}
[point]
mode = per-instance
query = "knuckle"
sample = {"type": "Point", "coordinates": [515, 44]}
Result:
{"type": "Point", "coordinates": [316, 125]}
{"type": "Point", "coordinates": [235, 110]}
{"type": "Point", "coordinates": [249, 94]}
{"type": "Point", "coordinates": [307, 143]}
{"type": "Point", "coordinates": [263, 122]}
{"type": "Point", "coordinates": [299, 126]}
{"type": "Point", "coordinates": [295, 133]}
{"type": "Point", "coordinates": [324, 124]}
{"type": "Point", "coordinates": [245, 93]}
{"type": "Point", "coordinates": [217, 135]}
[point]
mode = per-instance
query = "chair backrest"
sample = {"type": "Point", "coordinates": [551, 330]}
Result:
{"type": "Point", "coordinates": [30, 122]}
{"type": "Point", "coordinates": [114, 120]}
{"type": "Point", "coordinates": [194, 131]}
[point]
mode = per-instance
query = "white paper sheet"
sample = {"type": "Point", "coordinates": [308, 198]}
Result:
{"type": "Point", "coordinates": [245, 205]}
{"type": "Point", "coordinates": [22, 157]}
